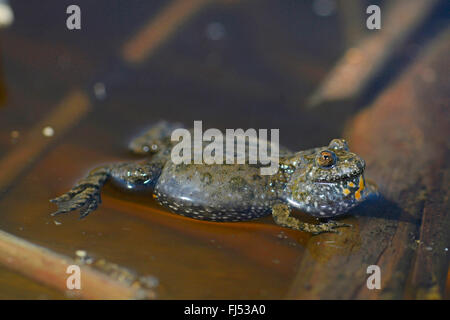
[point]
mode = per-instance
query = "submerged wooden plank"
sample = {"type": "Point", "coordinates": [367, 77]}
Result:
{"type": "Point", "coordinates": [403, 137]}
{"type": "Point", "coordinates": [13, 285]}
{"type": "Point", "coordinates": [65, 116]}
{"type": "Point", "coordinates": [159, 29]}
{"type": "Point", "coordinates": [263, 251]}
{"type": "Point", "coordinates": [50, 268]}
{"type": "Point", "coordinates": [75, 105]}
{"type": "Point", "coordinates": [361, 62]}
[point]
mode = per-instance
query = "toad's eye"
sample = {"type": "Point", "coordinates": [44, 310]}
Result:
{"type": "Point", "coordinates": [326, 159]}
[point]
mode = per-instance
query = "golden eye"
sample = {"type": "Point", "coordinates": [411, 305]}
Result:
{"type": "Point", "coordinates": [326, 159]}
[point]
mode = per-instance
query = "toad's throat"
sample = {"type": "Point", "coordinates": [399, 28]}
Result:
{"type": "Point", "coordinates": [354, 187]}
{"type": "Point", "coordinates": [361, 187]}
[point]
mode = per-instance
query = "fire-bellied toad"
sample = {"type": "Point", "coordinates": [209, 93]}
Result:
{"type": "Point", "coordinates": [323, 182]}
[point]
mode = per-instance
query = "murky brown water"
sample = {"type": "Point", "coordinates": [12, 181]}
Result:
{"type": "Point", "coordinates": [257, 76]}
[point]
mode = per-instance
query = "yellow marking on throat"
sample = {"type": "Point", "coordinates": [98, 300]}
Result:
{"type": "Point", "coordinates": [346, 192]}
{"type": "Point", "coordinates": [351, 184]}
{"type": "Point", "coordinates": [361, 188]}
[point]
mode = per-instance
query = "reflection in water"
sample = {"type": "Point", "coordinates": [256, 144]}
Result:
{"type": "Point", "coordinates": [324, 247]}
{"type": "Point", "coordinates": [6, 14]}
{"type": "Point", "coordinates": [248, 66]}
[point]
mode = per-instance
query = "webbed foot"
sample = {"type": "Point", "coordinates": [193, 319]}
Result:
{"type": "Point", "coordinates": [329, 226]}
{"type": "Point", "coordinates": [84, 196]}
{"type": "Point", "coordinates": [86, 199]}
{"type": "Point", "coordinates": [281, 213]}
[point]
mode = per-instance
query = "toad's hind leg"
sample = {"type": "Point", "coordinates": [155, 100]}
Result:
{"type": "Point", "coordinates": [154, 139]}
{"type": "Point", "coordinates": [86, 194]}
{"type": "Point", "coordinates": [282, 215]}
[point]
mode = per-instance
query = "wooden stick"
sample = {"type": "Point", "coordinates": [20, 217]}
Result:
{"type": "Point", "coordinates": [50, 269]}
{"type": "Point", "coordinates": [159, 29]}
{"type": "Point", "coordinates": [360, 63]}
{"type": "Point", "coordinates": [403, 136]}
{"type": "Point", "coordinates": [64, 117]}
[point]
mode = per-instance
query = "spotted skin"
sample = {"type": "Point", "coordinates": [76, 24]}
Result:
{"type": "Point", "coordinates": [324, 182]}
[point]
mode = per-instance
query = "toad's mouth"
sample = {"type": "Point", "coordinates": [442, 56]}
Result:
{"type": "Point", "coordinates": [352, 186]}
{"type": "Point", "coordinates": [349, 177]}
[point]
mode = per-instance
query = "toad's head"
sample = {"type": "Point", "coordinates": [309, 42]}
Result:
{"type": "Point", "coordinates": [327, 181]}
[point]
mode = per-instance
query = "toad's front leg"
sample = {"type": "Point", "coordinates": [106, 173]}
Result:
{"type": "Point", "coordinates": [281, 213]}
{"type": "Point", "coordinates": [86, 194]}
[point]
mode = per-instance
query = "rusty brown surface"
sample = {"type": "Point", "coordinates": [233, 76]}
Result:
{"type": "Point", "coordinates": [50, 269]}
{"type": "Point", "coordinates": [363, 60]}
{"type": "Point", "coordinates": [12, 286]}
{"type": "Point", "coordinates": [410, 122]}
{"type": "Point", "coordinates": [403, 136]}
{"type": "Point", "coordinates": [160, 28]}
{"type": "Point", "coordinates": [65, 116]}
{"type": "Point", "coordinates": [262, 72]}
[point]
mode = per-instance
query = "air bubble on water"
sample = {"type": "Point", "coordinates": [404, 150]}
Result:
{"type": "Point", "coordinates": [6, 15]}
{"type": "Point", "coordinates": [81, 253]}
{"type": "Point", "coordinates": [83, 256]}
{"type": "Point", "coordinates": [282, 235]}
{"type": "Point", "coordinates": [100, 90]}
{"type": "Point", "coordinates": [48, 131]}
